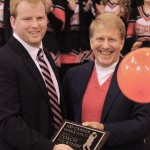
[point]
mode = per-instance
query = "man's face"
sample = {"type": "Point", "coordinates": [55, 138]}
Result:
{"type": "Point", "coordinates": [106, 44]}
{"type": "Point", "coordinates": [30, 22]}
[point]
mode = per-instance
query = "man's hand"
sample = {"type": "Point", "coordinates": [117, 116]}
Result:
{"type": "Point", "coordinates": [136, 45]}
{"type": "Point", "coordinates": [49, 5]}
{"type": "Point", "coordinates": [62, 147]}
{"type": "Point", "coordinates": [87, 6]}
{"type": "Point", "coordinates": [95, 125]}
{"type": "Point", "coordinates": [118, 11]}
{"type": "Point", "coordinates": [72, 4]}
{"type": "Point", "coordinates": [100, 8]}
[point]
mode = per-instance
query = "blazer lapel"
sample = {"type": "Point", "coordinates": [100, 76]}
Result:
{"type": "Point", "coordinates": [36, 74]}
{"type": "Point", "coordinates": [111, 95]}
{"type": "Point", "coordinates": [29, 63]}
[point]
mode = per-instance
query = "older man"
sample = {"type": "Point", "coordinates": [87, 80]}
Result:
{"type": "Point", "coordinates": [92, 94]}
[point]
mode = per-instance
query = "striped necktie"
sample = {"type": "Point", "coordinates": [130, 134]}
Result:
{"type": "Point", "coordinates": [51, 90]}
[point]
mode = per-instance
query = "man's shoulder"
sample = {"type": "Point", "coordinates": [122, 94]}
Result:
{"type": "Point", "coordinates": [81, 70]}
{"type": "Point", "coordinates": [4, 49]}
{"type": "Point", "coordinates": [85, 66]}
{"type": "Point", "coordinates": [7, 53]}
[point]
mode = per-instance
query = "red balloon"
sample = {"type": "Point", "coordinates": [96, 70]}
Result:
{"type": "Point", "coordinates": [134, 75]}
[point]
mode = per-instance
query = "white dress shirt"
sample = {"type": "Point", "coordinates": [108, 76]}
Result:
{"type": "Point", "coordinates": [104, 73]}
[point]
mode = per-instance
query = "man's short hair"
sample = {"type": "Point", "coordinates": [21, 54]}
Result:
{"type": "Point", "coordinates": [14, 4]}
{"type": "Point", "coordinates": [108, 20]}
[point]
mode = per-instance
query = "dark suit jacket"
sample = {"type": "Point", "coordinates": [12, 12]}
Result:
{"type": "Point", "coordinates": [128, 122]}
{"type": "Point", "coordinates": [25, 114]}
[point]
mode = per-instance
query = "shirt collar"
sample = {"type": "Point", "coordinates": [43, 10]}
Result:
{"type": "Point", "coordinates": [30, 49]}
{"type": "Point", "coordinates": [107, 69]}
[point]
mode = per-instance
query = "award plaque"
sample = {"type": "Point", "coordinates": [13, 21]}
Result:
{"type": "Point", "coordinates": [80, 137]}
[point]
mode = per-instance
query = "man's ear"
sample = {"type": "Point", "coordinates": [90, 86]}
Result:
{"type": "Point", "coordinates": [12, 21]}
{"type": "Point", "coordinates": [122, 44]}
{"type": "Point", "coordinates": [91, 43]}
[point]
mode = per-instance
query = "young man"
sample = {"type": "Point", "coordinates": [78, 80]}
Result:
{"type": "Point", "coordinates": [92, 94]}
{"type": "Point", "coordinates": [28, 83]}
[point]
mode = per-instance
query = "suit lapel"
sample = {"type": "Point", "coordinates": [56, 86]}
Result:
{"type": "Point", "coordinates": [35, 74]}
{"type": "Point", "coordinates": [29, 63]}
{"type": "Point", "coordinates": [111, 95]}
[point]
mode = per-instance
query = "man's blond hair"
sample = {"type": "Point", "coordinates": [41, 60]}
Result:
{"type": "Point", "coordinates": [108, 20]}
{"type": "Point", "coordinates": [14, 4]}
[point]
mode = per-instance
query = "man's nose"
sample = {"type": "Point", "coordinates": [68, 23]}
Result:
{"type": "Point", "coordinates": [105, 44]}
{"type": "Point", "coordinates": [34, 23]}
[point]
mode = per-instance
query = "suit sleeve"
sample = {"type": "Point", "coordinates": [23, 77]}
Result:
{"type": "Point", "coordinates": [13, 129]}
{"type": "Point", "coordinates": [132, 129]}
